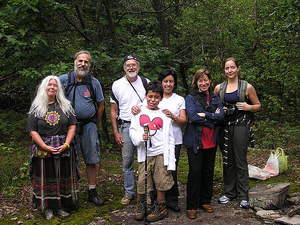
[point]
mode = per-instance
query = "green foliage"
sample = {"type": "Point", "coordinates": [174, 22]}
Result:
{"type": "Point", "coordinates": [269, 134]}
{"type": "Point", "coordinates": [12, 174]}
{"type": "Point", "coordinates": [12, 125]}
{"type": "Point", "coordinates": [40, 37]}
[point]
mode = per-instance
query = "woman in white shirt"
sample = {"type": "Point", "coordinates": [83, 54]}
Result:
{"type": "Point", "coordinates": [173, 105]}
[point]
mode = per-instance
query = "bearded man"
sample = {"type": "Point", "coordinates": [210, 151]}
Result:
{"type": "Point", "coordinates": [85, 93]}
{"type": "Point", "coordinates": [126, 92]}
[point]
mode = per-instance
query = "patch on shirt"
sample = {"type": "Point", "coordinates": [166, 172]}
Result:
{"type": "Point", "coordinates": [52, 118]}
{"type": "Point", "coordinates": [86, 93]}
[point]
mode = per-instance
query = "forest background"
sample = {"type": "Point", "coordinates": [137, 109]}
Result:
{"type": "Point", "coordinates": [40, 37]}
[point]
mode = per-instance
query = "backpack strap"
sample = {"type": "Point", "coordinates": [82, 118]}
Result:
{"type": "Point", "coordinates": [222, 91]}
{"type": "Point", "coordinates": [242, 90]}
{"type": "Point", "coordinates": [242, 87]}
{"type": "Point", "coordinates": [70, 84]}
{"type": "Point", "coordinates": [144, 81]}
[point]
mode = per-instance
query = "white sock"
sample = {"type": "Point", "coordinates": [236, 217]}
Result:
{"type": "Point", "coordinates": [92, 187]}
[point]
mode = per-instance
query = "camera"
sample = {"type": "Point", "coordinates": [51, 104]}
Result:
{"type": "Point", "coordinates": [230, 109]}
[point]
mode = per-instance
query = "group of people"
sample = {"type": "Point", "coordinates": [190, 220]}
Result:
{"type": "Point", "coordinates": [147, 117]}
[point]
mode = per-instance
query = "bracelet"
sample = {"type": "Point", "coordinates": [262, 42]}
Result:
{"type": "Point", "coordinates": [66, 145]}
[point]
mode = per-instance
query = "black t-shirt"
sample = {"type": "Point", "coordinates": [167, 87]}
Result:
{"type": "Point", "coordinates": [54, 123]}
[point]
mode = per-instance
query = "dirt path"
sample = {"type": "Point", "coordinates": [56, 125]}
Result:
{"type": "Point", "coordinates": [229, 214]}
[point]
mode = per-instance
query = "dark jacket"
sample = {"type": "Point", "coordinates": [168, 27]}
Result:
{"type": "Point", "coordinates": [195, 103]}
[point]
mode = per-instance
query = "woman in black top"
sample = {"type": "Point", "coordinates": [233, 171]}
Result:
{"type": "Point", "coordinates": [240, 102]}
{"type": "Point", "coordinates": [52, 125]}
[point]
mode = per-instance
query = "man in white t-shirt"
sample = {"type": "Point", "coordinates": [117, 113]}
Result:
{"type": "Point", "coordinates": [126, 92]}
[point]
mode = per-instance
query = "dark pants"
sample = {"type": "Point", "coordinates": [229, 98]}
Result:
{"type": "Point", "coordinates": [173, 193]}
{"type": "Point", "coordinates": [200, 177]}
{"type": "Point", "coordinates": [235, 166]}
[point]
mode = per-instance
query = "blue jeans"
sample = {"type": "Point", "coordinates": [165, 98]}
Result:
{"type": "Point", "coordinates": [128, 159]}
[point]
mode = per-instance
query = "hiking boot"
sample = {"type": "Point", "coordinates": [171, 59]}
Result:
{"type": "Point", "coordinates": [159, 211]}
{"type": "Point", "coordinates": [127, 199]}
{"type": "Point", "coordinates": [94, 197]}
{"type": "Point", "coordinates": [140, 208]}
{"type": "Point", "coordinates": [224, 199]}
{"type": "Point", "coordinates": [244, 204]}
{"type": "Point", "coordinates": [48, 214]}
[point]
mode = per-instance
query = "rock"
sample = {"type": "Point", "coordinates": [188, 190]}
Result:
{"type": "Point", "coordinates": [295, 220]}
{"type": "Point", "coordinates": [268, 196]}
{"type": "Point", "coordinates": [293, 211]}
{"type": "Point", "coordinates": [268, 214]}
{"type": "Point", "coordinates": [294, 200]}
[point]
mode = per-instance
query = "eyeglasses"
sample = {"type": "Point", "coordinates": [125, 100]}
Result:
{"type": "Point", "coordinates": [131, 65]}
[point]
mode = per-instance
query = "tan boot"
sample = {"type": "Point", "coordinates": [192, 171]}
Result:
{"type": "Point", "coordinates": [159, 211]}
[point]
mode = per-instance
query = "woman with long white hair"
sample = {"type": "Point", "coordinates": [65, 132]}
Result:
{"type": "Point", "coordinates": [52, 125]}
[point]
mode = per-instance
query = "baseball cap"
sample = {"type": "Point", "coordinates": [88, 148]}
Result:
{"type": "Point", "coordinates": [130, 56]}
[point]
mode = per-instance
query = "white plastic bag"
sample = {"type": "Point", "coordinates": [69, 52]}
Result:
{"type": "Point", "coordinates": [270, 170]}
{"type": "Point", "coordinates": [272, 165]}
{"type": "Point", "coordinates": [258, 173]}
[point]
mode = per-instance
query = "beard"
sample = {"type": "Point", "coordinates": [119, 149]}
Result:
{"type": "Point", "coordinates": [132, 74]}
{"type": "Point", "coordinates": [81, 73]}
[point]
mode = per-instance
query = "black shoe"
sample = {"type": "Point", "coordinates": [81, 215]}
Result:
{"type": "Point", "coordinates": [94, 197]}
{"type": "Point", "coordinates": [173, 206]}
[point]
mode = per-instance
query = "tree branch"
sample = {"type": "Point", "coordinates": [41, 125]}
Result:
{"type": "Point", "coordinates": [77, 29]}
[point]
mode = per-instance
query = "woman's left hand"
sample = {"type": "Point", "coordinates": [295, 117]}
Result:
{"type": "Point", "coordinates": [60, 149]}
{"type": "Point", "coordinates": [168, 113]}
{"type": "Point", "coordinates": [243, 106]}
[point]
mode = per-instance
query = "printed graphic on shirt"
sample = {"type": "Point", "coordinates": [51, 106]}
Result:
{"type": "Point", "coordinates": [154, 124]}
{"type": "Point", "coordinates": [86, 93]}
{"type": "Point", "coordinates": [52, 118]}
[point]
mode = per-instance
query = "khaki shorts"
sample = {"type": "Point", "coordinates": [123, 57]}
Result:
{"type": "Point", "coordinates": [158, 176]}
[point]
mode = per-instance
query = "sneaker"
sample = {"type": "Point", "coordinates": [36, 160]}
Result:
{"type": "Point", "coordinates": [159, 212]}
{"type": "Point", "coordinates": [94, 197]}
{"type": "Point", "coordinates": [62, 213]}
{"type": "Point", "coordinates": [127, 199]}
{"type": "Point", "coordinates": [224, 199]}
{"type": "Point", "coordinates": [244, 204]}
{"type": "Point", "coordinates": [48, 214]}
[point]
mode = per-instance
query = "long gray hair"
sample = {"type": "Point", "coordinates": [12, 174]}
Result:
{"type": "Point", "coordinates": [39, 105]}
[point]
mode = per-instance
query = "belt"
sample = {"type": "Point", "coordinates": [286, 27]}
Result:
{"type": "Point", "coordinates": [120, 121]}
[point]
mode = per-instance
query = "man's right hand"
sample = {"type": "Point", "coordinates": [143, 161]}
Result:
{"type": "Point", "coordinates": [118, 139]}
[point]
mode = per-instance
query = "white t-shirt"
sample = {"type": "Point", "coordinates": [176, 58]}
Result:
{"type": "Point", "coordinates": [126, 96]}
{"type": "Point", "coordinates": [157, 137]}
{"type": "Point", "coordinates": [175, 103]}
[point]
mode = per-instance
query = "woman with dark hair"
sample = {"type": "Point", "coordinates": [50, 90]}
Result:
{"type": "Point", "coordinates": [173, 106]}
{"type": "Point", "coordinates": [204, 110]}
{"type": "Point", "coordinates": [240, 102]}
{"type": "Point", "coordinates": [52, 125]}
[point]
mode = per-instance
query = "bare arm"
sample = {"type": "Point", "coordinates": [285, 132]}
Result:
{"type": "Point", "coordinates": [69, 138]}
{"type": "Point", "coordinates": [256, 106]}
{"type": "Point", "coordinates": [252, 96]}
{"type": "Point", "coordinates": [113, 117]}
{"type": "Point", "coordinates": [217, 89]}
{"type": "Point", "coordinates": [100, 111]}
{"type": "Point", "coordinates": [180, 119]}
